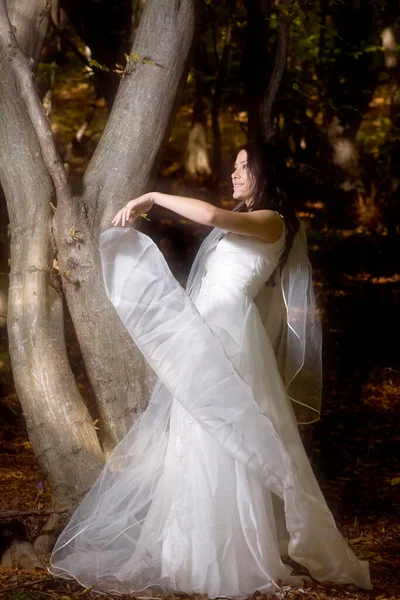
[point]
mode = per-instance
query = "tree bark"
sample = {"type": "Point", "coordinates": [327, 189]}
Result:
{"type": "Point", "coordinates": [117, 371]}
{"type": "Point", "coordinates": [4, 269]}
{"type": "Point", "coordinates": [43, 379]}
{"type": "Point", "coordinates": [138, 6]}
{"type": "Point", "coordinates": [128, 154]}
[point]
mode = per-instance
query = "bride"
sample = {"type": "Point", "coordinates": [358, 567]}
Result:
{"type": "Point", "coordinates": [212, 490]}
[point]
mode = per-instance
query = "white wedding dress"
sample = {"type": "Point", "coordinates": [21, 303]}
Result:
{"type": "Point", "coordinates": [212, 487]}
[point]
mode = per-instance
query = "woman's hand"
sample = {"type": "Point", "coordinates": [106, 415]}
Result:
{"type": "Point", "coordinates": [133, 209]}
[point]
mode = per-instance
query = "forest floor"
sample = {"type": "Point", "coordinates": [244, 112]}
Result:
{"type": "Point", "coordinates": [354, 448]}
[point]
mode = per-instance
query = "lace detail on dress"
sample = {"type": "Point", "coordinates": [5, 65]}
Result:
{"type": "Point", "coordinates": [204, 291]}
{"type": "Point", "coordinates": [206, 288]}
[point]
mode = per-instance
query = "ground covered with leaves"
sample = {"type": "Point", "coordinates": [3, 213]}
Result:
{"type": "Point", "coordinates": [354, 449]}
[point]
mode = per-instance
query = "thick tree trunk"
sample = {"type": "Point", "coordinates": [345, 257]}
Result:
{"type": "Point", "coordinates": [138, 6]}
{"type": "Point", "coordinates": [4, 275]}
{"type": "Point", "coordinates": [117, 371]}
{"type": "Point", "coordinates": [124, 162]}
{"type": "Point", "coordinates": [59, 426]}
{"type": "Point", "coordinates": [128, 154]}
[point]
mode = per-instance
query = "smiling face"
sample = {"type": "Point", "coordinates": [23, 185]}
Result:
{"type": "Point", "coordinates": [243, 184]}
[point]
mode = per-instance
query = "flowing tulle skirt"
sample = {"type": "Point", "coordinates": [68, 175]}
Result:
{"type": "Point", "coordinates": [212, 487]}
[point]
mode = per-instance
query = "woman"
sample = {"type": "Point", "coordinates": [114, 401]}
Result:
{"type": "Point", "coordinates": [212, 489]}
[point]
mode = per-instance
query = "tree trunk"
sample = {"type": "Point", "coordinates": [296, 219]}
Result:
{"type": "Point", "coordinates": [126, 159]}
{"type": "Point", "coordinates": [282, 46]}
{"type": "Point", "coordinates": [196, 159]}
{"type": "Point", "coordinates": [256, 62]}
{"type": "Point", "coordinates": [138, 6]}
{"type": "Point", "coordinates": [391, 207]}
{"type": "Point", "coordinates": [116, 369]}
{"type": "Point", "coordinates": [4, 275]}
{"type": "Point", "coordinates": [216, 101]}
{"type": "Point", "coordinates": [59, 426]}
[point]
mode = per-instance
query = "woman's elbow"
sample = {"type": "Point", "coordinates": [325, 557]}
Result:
{"type": "Point", "coordinates": [211, 215]}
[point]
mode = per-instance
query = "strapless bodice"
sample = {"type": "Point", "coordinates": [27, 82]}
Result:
{"type": "Point", "coordinates": [239, 265]}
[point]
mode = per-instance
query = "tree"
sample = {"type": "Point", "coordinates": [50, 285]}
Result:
{"type": "Point", "coordinates": [57, 255]}
{"type": "Point", "coordinates": [256, 61]}
{"type": "Point", "coordinates": [262, 86]}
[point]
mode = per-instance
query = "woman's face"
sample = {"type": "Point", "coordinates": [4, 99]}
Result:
{"type": "Point", "coordinates": [242, 180]}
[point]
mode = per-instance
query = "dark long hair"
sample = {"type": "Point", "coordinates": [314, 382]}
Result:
{"type": "Point", "coordinates": [268, 171]}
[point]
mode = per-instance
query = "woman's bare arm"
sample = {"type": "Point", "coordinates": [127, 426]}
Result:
{"type": "Point", "coordinates": [263, 224]}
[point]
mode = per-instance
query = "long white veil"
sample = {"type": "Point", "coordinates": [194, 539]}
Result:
{"type": "Point", "coordinates": [290, 317]}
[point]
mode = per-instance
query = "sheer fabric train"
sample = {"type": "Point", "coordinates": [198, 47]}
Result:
{"type": "Point", "coordinates": [212, 486]}
{"type": "Point", "coordinates": [289, 314]}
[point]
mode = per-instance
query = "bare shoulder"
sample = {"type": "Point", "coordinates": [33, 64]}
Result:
{"type": "Point", "coordinates": [270, 225]}
{"type": "Point", "coordinates": [265, 225]}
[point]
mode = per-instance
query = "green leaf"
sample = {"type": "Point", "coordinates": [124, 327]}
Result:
{"type": "Point", "coordinates": [137, 58]}
{"type": "Point", "coordinates": [94, 63]}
